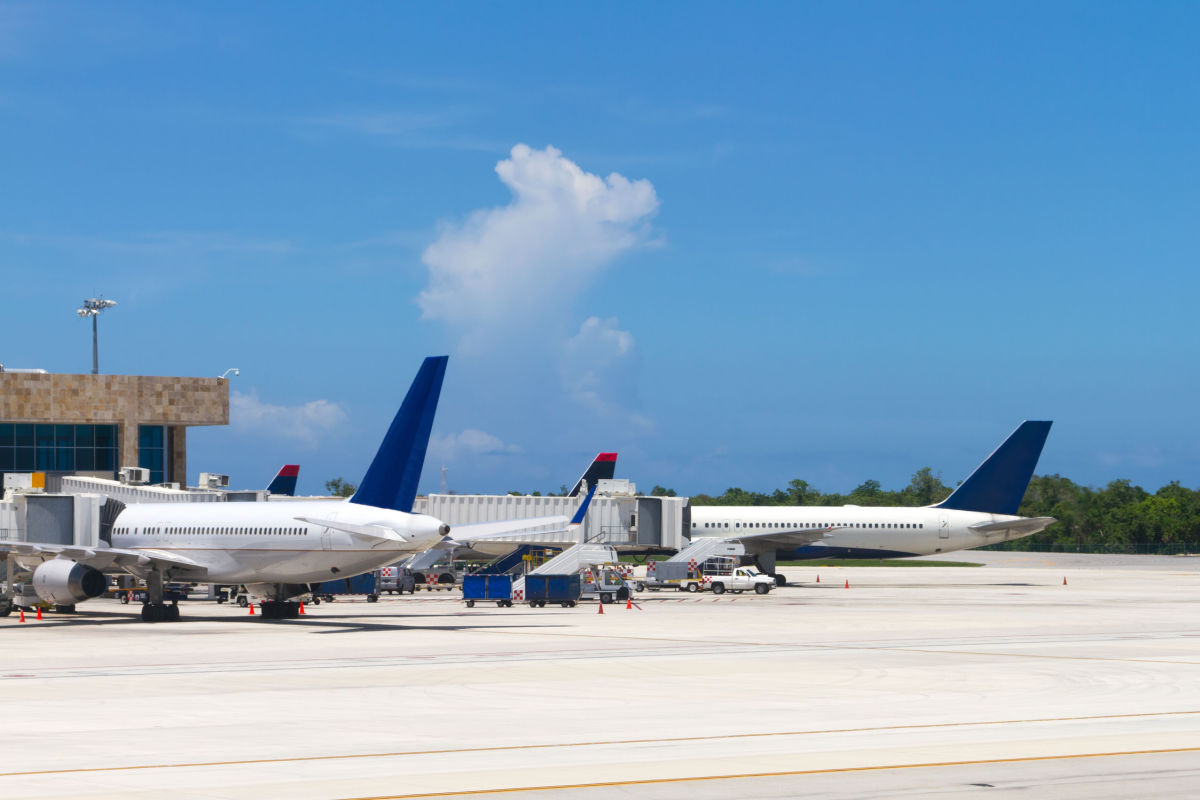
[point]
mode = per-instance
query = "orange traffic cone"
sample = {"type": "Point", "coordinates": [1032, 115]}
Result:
{"type": "Point", "coordinates": [22, 615]}
{"type": "Point", "coordinates": [39, 612]}
{"type": "Point", "coordinates": [628, 602]}
{"type": "Point", "coordinates": [252, 609]}
{"type": "Point", "coordinates": [818, 579]}
{"type": "Point", "coordinates": [302, 608]}
{"type": "Point", "coordinates": [847, 583]}
{"type": "Point", "coordinates": [1064, 580]}
{"type": "Point", "coordinates": [601, 606]}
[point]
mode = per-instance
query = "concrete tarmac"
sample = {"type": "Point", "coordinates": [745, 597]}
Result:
{"type": "Point", "coordinates": [914, 682]}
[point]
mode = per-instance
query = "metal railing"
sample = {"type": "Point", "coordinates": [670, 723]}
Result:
{"type": "Point", "coordinates": [612, 534]}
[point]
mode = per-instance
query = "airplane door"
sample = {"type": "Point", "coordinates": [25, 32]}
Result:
{"type": "Point", "coordinates": [326, 540]}
{"type": "Point", "coordinates": [943, 527]}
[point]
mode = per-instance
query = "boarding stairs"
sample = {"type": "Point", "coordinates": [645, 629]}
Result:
{"type": "Point", "coordinates": [569, 562]}
{"type": "Point", "coordinates": [424, 560]}
{"type": "Point", "coordinates": [703, 548]}
{"type": "Point", "coordinates": [510, 563]}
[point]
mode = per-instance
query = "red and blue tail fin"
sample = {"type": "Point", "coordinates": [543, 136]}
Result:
{"type": "Point", "coordinates": [285, 480]}
{"type": "Point", "coordinates": [603, 467]}
{"type": "Point", "coordinates": [391, 480]}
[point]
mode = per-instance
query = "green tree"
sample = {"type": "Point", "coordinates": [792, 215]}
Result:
{"type": "Point", "coordinates": [925, 488]}
{"type": "Point", "coordinates": [339, 488]}
{"type": "Point", "coordinates": [662, 491]}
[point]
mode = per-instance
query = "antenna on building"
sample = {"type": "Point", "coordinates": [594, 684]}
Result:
{"type": "Point", "coordinates": [92, 308]}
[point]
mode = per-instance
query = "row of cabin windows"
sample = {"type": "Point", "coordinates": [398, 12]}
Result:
{"type": "Point", "coordinates": [205, 531]}
{"type": "Point", "coordinates": [913, 525]}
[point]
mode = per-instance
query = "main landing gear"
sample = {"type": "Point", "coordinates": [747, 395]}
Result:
{"type": "Point", "coordinates": [154, 609]}
{"type": "Point", "coordinates": [160, 612]}
{"type": "Point", "coordinates": [275, 609]}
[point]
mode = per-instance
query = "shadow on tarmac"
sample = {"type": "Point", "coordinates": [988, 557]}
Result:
{"type": "Point", "coordinates": [316, 623]}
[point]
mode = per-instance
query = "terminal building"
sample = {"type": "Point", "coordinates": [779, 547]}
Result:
{"type": "Point", "coordinates": [92, 425]}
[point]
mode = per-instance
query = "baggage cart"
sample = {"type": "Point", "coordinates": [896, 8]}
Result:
{"type": "Point", "coordinates": [358, 584]}
{"type": "Point", "coordinates": [562, 589]}
{"type": "Point", "coordinates": [488, 587]}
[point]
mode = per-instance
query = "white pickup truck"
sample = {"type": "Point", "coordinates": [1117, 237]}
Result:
{"type": "Point", "coordinates": [740, 580]}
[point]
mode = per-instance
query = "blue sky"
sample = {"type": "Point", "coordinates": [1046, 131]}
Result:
{"type": "Point", "coordinates": [739, 244]}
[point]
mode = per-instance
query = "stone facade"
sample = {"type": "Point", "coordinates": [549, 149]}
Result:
{"type": "Point", "coordinates": [127, 400]}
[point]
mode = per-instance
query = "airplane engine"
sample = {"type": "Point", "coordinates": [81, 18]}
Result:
{"type": "Point", "coordinates": [64, 582]}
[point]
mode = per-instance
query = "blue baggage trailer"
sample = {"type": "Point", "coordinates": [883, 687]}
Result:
{"type": "Point", "coordinates": [487, 587]}
{"type": "Point", "coordinates": [562, 589]}
{"type": "Point", "coordinates": [358, 584]}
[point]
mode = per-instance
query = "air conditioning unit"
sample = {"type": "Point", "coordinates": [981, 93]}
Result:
{"type": "Point", "coordinates": [213, 480]}
{"type": "Point", "coordinates": [616, 487]}
{"type": "Point", "coordinates": [133, 475]}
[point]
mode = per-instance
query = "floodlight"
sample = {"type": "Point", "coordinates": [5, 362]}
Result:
{"type": "Point", "coordinates": [92, 308]}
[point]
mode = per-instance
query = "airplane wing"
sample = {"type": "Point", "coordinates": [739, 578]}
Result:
{"type": "Point", "coordinates": [465, 534]}
{"type": "Point", "coordinates": [101, 558]}
{"type": "Point", "coordinates": [781, 539]}
{"type": "Point", "coordinates": [376, 533]}
{"type": "Point", "coordinates": [1021, 525]}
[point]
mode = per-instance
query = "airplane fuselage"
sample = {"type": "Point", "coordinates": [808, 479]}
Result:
{"type": "Point", "coordinates": [858, 531]}
{"type": "Point", "coordinates": [269, 542]}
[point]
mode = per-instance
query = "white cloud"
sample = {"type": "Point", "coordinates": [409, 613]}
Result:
{"type": "Point", "coordinates": [303, 423]}
{"type": "Point", "coordinates": [501, 267]}
{"type": "Point", "coordinates": [599, 370]}
{"type": "Point", "coordinates": [470, 442]}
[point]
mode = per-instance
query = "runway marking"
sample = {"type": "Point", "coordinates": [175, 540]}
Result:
{"type": "Point", "coordinates": [899, 648]}
{"type": "Point", "coordinates": [784, 774]}
{"type": "Point", "coordinates": [605, 742]}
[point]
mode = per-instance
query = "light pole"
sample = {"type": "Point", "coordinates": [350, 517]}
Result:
{"type": "Point", "coordinates": [92, 308]}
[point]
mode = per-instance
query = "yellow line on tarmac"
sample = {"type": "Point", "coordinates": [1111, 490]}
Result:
{"type": "Point", "coordinates": [601, 743]}
{"type": "Point", "coordinates": [785, 774]}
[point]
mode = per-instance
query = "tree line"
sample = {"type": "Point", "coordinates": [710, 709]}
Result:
{"type": "Point", "coordinates": [1118, 518]}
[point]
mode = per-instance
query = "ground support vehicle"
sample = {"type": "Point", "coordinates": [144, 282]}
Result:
{"type": "Point", "coordinates": [605, 583]}
{"type": "Point", "coordinates": [741, 579]}
{"type": "Point", "coordinates": [234, 594]}
{"type": "Point", "coordinates": [719, 574]}
{"type": "Point", "coordinates": [397, 580]}
{"type": "Point", "coordinates": [440, 576]}
{"type": "Point", "coordinates": [541, 589]}
{"type": "Point", "coordinates": [497, 588]}
{"type": "Point", "coordinates": [172, 593]}
{"type": "Point", "coordinates": [359, 584]}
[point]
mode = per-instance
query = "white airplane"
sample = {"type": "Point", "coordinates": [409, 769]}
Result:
{"type": "Point", "coordinates": [981, 511]}
{"type": "Point", "coordinates": [275, 549]}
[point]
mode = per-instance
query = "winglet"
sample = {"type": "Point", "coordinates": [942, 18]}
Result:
{"type": "Point", "coordinates": [391, 481]}
{"type": "Point", "coordinates": [603, 467]}
{"type": "Point", "coordinates": [998, 484]}
{"type": "Point", "coordinates": [581, 512]}
{"type": "Point", "coordinates": [285, 480]}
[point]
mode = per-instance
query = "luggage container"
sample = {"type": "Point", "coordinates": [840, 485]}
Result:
{"type": "Point", "coordinates": [562, 589]}
{"type": "Point", "coordinates": [488, 587]}
{"type": "Point", "coordinates": [358, 584]}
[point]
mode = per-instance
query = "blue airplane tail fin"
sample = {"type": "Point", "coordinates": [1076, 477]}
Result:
{"type": "Point", "coordinates": [581, 512]}
{"type": "Point", "coordinates": [391, 481]}
{"type": "Point", "coordinates": [998, 484]}
{"type": "Point", "coordinates": [285, 480]}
